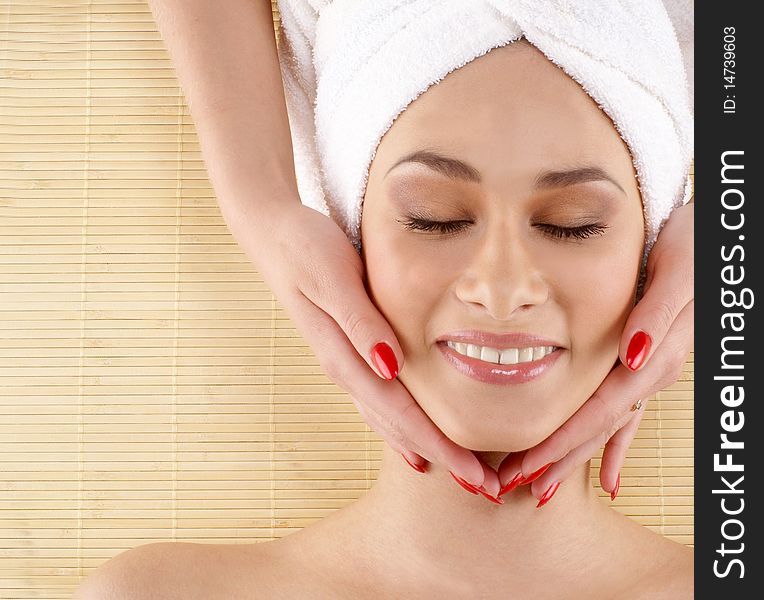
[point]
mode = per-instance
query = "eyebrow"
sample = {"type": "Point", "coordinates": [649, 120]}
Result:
{"type": "Point", "coordinates": [453, 168]}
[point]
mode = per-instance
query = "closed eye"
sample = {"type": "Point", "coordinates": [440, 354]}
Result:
{"type": "Point", "coordinates": [417, 224]}
{"type": "Point", "coordinates": [580, 232]}
{"type": "Point", "coordinates": [556, 231]}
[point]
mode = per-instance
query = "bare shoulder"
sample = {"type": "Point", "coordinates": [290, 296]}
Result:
{"type": "Point", "coordinates": [172, 570]}
{"type": "Point", "coordinates": [676, 577]}
{"type": "Point", "coordinates": [672, 577]}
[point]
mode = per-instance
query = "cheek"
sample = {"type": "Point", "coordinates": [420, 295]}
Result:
{"type": "Point", "coordinates": [598, 298]}
{"type": "Point", "coordinates": [404, 286]}
{"type": "Point", "coordinates": [605, 299]}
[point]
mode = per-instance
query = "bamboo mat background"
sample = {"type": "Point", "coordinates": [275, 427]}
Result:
{"type": "Point", "coordinates": [151, 387]}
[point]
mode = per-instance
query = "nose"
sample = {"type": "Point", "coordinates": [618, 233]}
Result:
{"type": "Point", "coordinates": [503, 278]}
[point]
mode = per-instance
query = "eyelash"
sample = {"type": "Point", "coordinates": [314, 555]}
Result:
{"type": "Point", "coordinates": [580, 232]}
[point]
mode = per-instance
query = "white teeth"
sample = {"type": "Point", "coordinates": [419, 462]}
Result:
{"type": "Point", "coordinates": [489, 354]}
{"type": "Point", "coordinates": [473, 350]}
{"type": "Point", "coordinates": [508, 356]}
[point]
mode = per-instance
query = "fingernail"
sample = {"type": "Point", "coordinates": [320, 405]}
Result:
{"type": "Point", "coordinates": [384, 358]}
{"type": "Point", "coordinates": [419, 468]}
{"type": "Point", "coordinates": [639, 346]}
{"type": "Point", "coordinates": [614, 493]}
{"type": "Point", "coordinates": [511, 485]}
{"type": "Point", "coordinates": [548, 494]}
{"type": "Point", "coordinates": [467, 486]}
{"type": "Point", "coordinates": [496, 500]}
{"type": "Point", "coordinates": [535, 475]}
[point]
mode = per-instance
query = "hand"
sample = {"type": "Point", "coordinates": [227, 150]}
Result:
{"type": "Point", "coordinates": [317, 275]}
{"type": "Point", "coordinates": [665, 314]}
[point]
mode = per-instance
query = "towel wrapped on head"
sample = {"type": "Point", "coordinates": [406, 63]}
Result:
{"type": "Point", "coordinates": [350, 67]}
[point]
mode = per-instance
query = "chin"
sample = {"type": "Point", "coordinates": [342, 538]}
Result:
{"type": "Point", "coordinates": [488, 425]}
{"type": "Point", "coordinates": [516, 419]}
{"type": "Point", "coordinates": [496, 437]}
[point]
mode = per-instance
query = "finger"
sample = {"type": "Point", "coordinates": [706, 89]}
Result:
{"type": "Point", "coordinates": [375, 424]}
{"type": "Point", "coordinates": [373, 421]}
{"type": "Point", "coordinates": [615, 396]}
{"type": "Point", "coordinates": [615, 450]}
{"type": "Point", "coordinates": [562, 469]}
{"type": "Point", "coordinates": [400, 420]}
{"type": "Point", "coordinates": [368, 331]}
{"type": "Point", "coordinates": [404, 421]}
{"type": "Point", "coordinates": [490, 481]}
{"type": "Point", "coordinates": [598, 414]}
{"type": "Point", "coordinates": [416, 461]}
{"type": "Point", "coordinates": [510, 472]}
{"type": "Point", "coordinates": [669, 287]}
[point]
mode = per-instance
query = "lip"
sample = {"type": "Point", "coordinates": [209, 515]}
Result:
{"type": "Point", "coordinates": [500, 374]}
{"type": "Point", "coordinates": [496, 340]}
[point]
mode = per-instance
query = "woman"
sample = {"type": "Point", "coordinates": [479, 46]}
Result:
{"type": "Point", "coordinates": [515, 256]}
{"type": "Point", "coordinates": [228, 65]}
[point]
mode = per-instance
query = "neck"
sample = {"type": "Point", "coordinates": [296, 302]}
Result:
{"type": "Point", "coordinates": [427, 528]}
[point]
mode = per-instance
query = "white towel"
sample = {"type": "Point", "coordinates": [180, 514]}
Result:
{"type": "Point", "coordinates": [350, 67]}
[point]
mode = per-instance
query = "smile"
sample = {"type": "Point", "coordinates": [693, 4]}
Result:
{"type": "Point", "coordinates": [508, 356]}
{"type": "Point", "coordinates": [504, 366]}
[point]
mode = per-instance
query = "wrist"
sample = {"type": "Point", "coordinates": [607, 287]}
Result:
{"type": "Point", "coordinates": [257, 221]}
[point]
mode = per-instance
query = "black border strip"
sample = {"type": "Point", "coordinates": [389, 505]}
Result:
{"type": "Point", "coordinates": [731, 567]}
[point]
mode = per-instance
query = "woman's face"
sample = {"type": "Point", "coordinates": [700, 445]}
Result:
{"type": "Point", "coordinates": [526, 250]}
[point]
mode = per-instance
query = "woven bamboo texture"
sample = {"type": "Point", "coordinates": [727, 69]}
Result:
{"type": "Point", "coordinates": [151, 387]}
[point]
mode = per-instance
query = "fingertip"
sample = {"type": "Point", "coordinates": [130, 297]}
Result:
{"type": "Point", "coordinates": [623, 346]}
{"type": "Point", "coordinates": [638, 350]}
{"type": "Point", "coordinates": [385, 361]}
{"type": "Point", "coordinates": [538, 487]}
{"type": "Point", "coordinates": [392, 342]}
{"type": "Point", "coordinates": [531, 464]}
{"type": "Point", "coordinates": [473, 473]}
{"type": "Point", "coordinates": [510, 468]}
{"type": "Point", "coordinates": [414, 461]}
{"type": "Point", "coordinates": [614, 491]}
{"type": "Point", "coordinates": [535, 475]}
{"type": "Point", "coordinates": [548, 493]}
{"type": "Point", "coordinates": [610, 469]}
{"type": "Point", "coordinates": [511, 484]}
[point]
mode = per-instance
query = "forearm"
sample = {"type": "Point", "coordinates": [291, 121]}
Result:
{"type": "Point", "coordinates": [226, 60]}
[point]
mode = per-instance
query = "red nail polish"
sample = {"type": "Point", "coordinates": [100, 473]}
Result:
{"type": "Point", "coordinates": [419, 468]}
{"type": "Point", "coordinates": [467, 486]}
{"type": "Point", "coordinates": [535, 475]}
{"type": "Point", "coordinates": [384, 358]}
{"type": "Point", "coordinates": [614, 493]}
{"type": "Point", "coordinates": [639, 346]}
{"type": "Point", "coordinates": [511, 485]}
{"type": "Point", "coordinates": [496, 500]}
{"type": "Point", "coordinates": [548, 494]}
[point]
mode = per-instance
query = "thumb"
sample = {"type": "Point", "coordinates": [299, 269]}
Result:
{"type": "Point", "coordinates": [366, 328]}
{"type": "Point", "coordinates": [670, 288]}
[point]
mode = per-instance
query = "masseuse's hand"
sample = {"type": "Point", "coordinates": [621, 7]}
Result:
{"type": "Point", "coordinates": [318, 276]}
{"type": "Point", "coordinates": [655, 343]}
